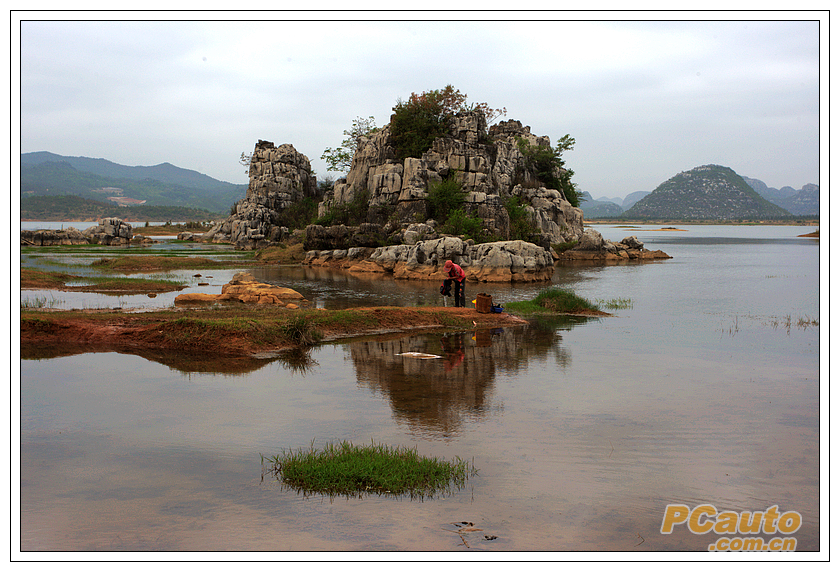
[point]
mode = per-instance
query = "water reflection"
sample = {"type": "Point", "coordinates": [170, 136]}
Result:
{"type": "Point", "coordinates": [296, 361]}
{"type": "Point", "coordinates": [437, 397]}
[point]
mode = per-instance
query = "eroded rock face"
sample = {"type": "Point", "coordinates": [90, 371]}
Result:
{"type": "Point", "coordinates": [47, 237]}
{"type": "Point", "coordinates": [109, 231]}
{"type": "Point", "coordinates": [243, 287]}
{"type": "Point", "coordinates": [489, 166]}
{"type": "Point", "coordinates": [279, 177]}
{"type": "Point", "coordinates": [505, 261]}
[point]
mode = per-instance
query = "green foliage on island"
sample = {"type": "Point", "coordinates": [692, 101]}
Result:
{"type": "Point", "coordinates": [416, 123]}
{"type": "Point", "coordinates": [549, 167]}
{"type": "Point", "coordinates": [340, 158]}
{"type": "Point", "coordinates": [350, 214]}
{"type": "Point", "coordinates": [73, 207]}
{"type": "Point", "coordinates": [444, 197]}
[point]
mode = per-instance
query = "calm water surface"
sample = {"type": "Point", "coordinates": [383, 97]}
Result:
{"type": "Point", "coordinates": [702, 392]}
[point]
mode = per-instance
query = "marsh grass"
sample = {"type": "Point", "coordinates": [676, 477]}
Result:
{"type": "Point", "coordinates": [40, 302]}
{"type": "Point", "coordinates": [554, 300]}
{"type": "Point", "coordinates": [299, 330]}
{"type": "Point", "coordinates": [264, 331]}
{"type": "Point", "coordinates": [344, 469]}
{"type": "Point", "coordinates": [146, 263]}
{"type": "Point", "coordinates": [787, 323]}
{"type": "Point", "coordinates": [40, 279]}
{"type": "Point", "coordinates": [614, 303]}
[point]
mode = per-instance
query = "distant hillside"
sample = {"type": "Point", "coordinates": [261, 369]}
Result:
{"type": "Point", "coordinates": [633, 198]}
{"type": "Point", "coordinates": [805, 201]}
{"type": "Point", "coordinates": [44, 173]}
{"type": "Point", "coordinates": [598, 209]}
{"type": "Point", "coordinates": [709, 192]}
{"type": "Point", "coordinates": [74, 207]}
{"type": "Point", "coordinates": [165, 172]}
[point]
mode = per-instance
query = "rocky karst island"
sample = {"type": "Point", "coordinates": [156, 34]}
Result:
{"type": "Point", "coordinates": [435, 184]}
{"type": "Point", "coordinates": [498, 201]}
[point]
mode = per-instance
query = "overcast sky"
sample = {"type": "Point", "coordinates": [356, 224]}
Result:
{"type": "Point", "coordinates": [644, 100]}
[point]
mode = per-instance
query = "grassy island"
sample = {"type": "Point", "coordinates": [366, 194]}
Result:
{"type": "Point", "coordinates": [353, 470]}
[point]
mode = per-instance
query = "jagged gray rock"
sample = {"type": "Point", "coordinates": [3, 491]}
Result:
{"type": "Point", "coordinates": [503, 261]}
{"type": "Point", "coordinates": [593, 247]}
{"type": "Point", "coordinates": [489, 166]}
{"type": "Point", "coordinates": [46, 237]}
{"type": "Point", "coordinates": [109, 231]}
{"type": "Point", "coordinates": [279, 177]}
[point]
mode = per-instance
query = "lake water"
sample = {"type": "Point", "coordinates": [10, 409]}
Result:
{"type": "Point", "coordinates": [706, 390]}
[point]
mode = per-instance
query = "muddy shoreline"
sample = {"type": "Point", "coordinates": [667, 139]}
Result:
{"type": "Point", "coordinates": [239, 332]}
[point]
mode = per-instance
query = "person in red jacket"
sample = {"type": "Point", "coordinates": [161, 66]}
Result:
{"type": "Point", "coordinates": [458, 277]}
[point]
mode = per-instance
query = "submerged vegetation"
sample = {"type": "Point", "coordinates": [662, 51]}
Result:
{"type": "Point", "coordinates": [353, 470]}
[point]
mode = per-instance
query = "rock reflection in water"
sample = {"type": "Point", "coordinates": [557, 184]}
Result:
{"type": "Point", "coordinates": [436, 397]}
{"type": "Point", "coordinates": [297, 361]}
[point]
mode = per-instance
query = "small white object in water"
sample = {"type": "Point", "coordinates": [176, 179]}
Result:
{"type": "Point", "coordinates": [419, 355]}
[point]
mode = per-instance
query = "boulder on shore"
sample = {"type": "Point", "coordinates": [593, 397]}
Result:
{"type": "Point", "coordinates": [243, 287]}
{"type": "Point", "coordinates": [110, 231]}
{"type": "Point", "coordinates": [593, 247]}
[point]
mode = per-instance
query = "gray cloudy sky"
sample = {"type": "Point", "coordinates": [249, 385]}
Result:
{"type": "Point", "coordinates": [643, 99]}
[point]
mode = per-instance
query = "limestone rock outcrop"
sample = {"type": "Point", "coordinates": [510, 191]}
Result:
{"type": "Point", "coordinates": [109, 231]}
{"type": "Point", "coordinates": [504, 261]}
{"type": "Point", "coordinates": [593, 247]}
{"type": "Point", "coordinates": [279, 177]}
{"type": "Point", "coordinates": [46, 237]}
{"type": "Point", "coordinates": [243, 287]}
{"type": "Point", "coordinates": [489, 165]}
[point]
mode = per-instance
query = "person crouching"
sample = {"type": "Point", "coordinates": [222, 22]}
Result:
{"type": "Point", "coordinates": [458, 277]}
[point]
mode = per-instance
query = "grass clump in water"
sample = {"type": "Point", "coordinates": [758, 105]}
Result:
{"type": "Point", "coordinates": [353, 470]}
{"type": "Point", "coordinates": [615, 303]}
{"type": "Point", "coordinates": [554, 300]}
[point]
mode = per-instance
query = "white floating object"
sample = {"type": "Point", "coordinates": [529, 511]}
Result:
{"type": "Point", "coordinates": [419, 355]}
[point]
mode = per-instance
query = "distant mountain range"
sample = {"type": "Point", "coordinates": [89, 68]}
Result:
{"type": "Point", "coordinates": [709, 192]}
{"type": "Point", "coordinates": [47, 174]}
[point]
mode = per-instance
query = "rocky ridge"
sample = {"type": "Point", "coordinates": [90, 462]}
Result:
{"type": "Point", "coordinates": [109, 231]}
{"type": "Point", "coordinates": [504, 261]}
{"type": "Point", "coordinates": [488, 164]}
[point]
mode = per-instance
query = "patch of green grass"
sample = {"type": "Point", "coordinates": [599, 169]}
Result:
{"type": "Point", "coordinates": [197, 332]}
{"type": "Point", "coordinates": [562, 247]}
{"type": "Point", "coordinates": [129, 264]}
{"type": "Point", "coordinates": [299, 330]}
{"type": "Point", "coordinates": [121, 285]}
{"type": "Point", "coordinates": [348, 317]}
{"type": "Point", "coordinates": [352, 470]}
{"type": "Point", "coordinates": [553, 300]}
